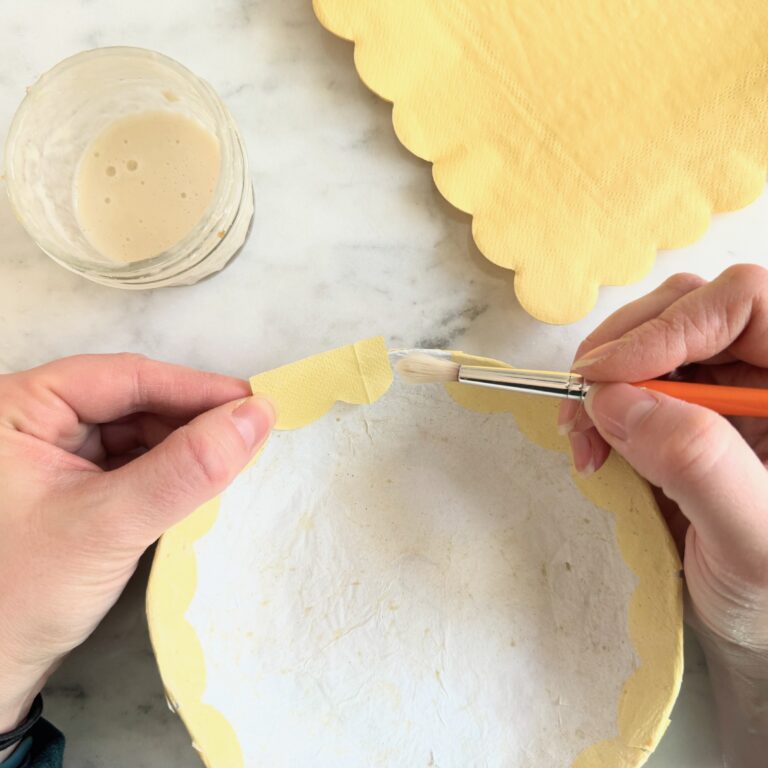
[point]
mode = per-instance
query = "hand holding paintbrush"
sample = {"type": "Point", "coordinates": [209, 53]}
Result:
{"type": "Point", "coordinates": [711, 471]}
{"type": "Point", "coordinates": [424, 368]}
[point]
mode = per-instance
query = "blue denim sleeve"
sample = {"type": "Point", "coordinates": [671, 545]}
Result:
{"type": "Point", "coordinates": [43, 748]}
{"type": "Point", "coordinates": [20, 756]}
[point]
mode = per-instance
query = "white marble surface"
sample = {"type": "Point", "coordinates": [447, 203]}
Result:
{"type": "Point", "coordinates": [350, 239]}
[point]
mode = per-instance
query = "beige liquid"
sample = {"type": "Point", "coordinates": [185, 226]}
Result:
{"type": "Point", "coordinates": [145, 182]}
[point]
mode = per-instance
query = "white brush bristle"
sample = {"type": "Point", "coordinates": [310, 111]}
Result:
{"type": "Point", "coordinates": [425, 369]}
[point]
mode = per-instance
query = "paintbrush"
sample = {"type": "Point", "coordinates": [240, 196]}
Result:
{"type": "Point", "coordinates": [421, 368]}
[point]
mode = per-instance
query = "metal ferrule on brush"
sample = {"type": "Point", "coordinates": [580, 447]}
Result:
{"type": "Point", "coordinates": [570, 386]}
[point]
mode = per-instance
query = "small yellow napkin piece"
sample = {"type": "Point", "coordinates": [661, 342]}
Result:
{"type": "Point", "coordinates": [581, 136]}
{"type": "Point", "coordinates": [302, 392]}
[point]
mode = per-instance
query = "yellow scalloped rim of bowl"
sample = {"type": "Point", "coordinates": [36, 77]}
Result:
{"type": "Point", "coordinates": [361, 373]}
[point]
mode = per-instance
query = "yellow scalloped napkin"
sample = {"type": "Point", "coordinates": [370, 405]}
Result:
{"type": "Point", "coordinates": [581, 136]}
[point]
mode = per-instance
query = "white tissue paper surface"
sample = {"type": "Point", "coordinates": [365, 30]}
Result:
{"type": "Point", "coordinates": [412, 584]}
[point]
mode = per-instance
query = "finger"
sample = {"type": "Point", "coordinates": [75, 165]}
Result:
{"type": "Point", "coordinates": [589, 451]}
{"type": "Point", "coordinates": [54, 401]}
{"type": "Point", "coordinates": [639, 311]}
{"type": "Point", "coordinates": [624, 320]}
{"type": "Point", "coordinates": [194, 464]}
{"type": "Point", "coordinates": [676, 521]}
{"type": "Point", "coordinates": [739, 374]}
{"type": "Point", "coordinates": [143, 430]}
{"type": "Point", "coordinates": [115, 462]}
{"type": "Point", "coordinates": [753, 430]}
{"type": "Point", "coordinates": [732, 374]}
{"type": "Point", "coordinates": [102, 388]}
{"type": "Point", "coordinates": [699, 461]}
{"type": "Point", "coordinates": [731, 313]}
{"type": "Point", "coordinates": [581, 421]}
{"type": "Point", "coordinates": [91, 447]}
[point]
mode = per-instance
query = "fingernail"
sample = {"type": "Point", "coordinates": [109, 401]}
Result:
{"type": "Point", "coordinates": [598, 354]}
{"type": "Point", "coordinates": [254, 419]}
{"type": "Point", "coordinates": [581, 450]}
{"type": "Point", "coordinates": [566, 417]}
{"type": "Point", "coordinates": [617, 409]}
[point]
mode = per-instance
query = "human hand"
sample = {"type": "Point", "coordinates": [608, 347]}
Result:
{"type": "Point", "coordinates": [711, 471]}
{"type": "Point", "coordinates": [99, 455]}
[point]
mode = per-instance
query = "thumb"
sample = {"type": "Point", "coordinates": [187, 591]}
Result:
{"type": "Point", "coordinates": [700, 461]}
{"type": "Point", "coordinates": [191, 466]}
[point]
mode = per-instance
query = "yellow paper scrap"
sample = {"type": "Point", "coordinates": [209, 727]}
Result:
{"type": "Point", "coordinates": [302, 392]}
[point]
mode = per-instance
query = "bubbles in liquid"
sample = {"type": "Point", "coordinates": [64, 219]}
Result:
{"type": "Point", "coordinates": [138, 218]}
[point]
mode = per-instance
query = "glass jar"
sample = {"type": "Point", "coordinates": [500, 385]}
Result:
{"type": "Point", "coordinates": [66, 109]}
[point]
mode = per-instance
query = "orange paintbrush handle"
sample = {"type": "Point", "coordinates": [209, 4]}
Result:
{"type": "Point", "coordinates": [729, 401]}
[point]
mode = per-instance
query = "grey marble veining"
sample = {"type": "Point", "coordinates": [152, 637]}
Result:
{"type": "Point", "coordinates": [350, 239]}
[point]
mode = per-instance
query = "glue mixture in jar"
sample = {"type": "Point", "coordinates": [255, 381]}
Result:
{"type": "Point", "coordinates": [144, 183]}
{"type": "Point", "coordinates": [129, 170]}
